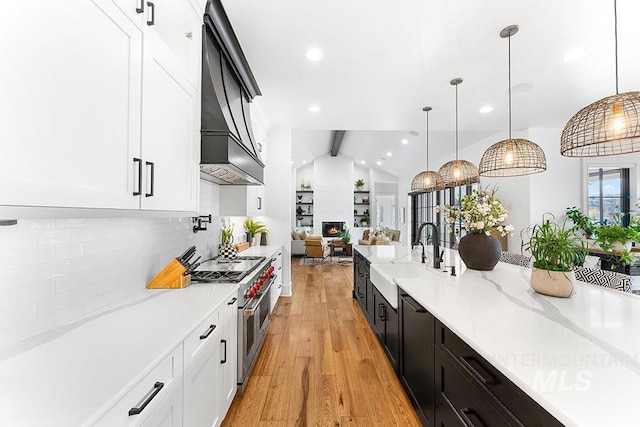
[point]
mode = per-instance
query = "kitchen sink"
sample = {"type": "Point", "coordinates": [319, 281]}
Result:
{"type": "Point", "coordinates": [382, 276]}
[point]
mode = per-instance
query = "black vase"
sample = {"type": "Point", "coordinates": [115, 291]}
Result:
{"type": "Point", "coordinates": [479, 251]}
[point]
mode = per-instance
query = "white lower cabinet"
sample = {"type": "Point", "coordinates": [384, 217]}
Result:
{"type": "Point", "coordinates": [229, 363]}
{"type": "Point", "coordinates": [193, 386]}
{"type": "Point", "coordinates": [169, 410]}
{"type": "Point", "coordinates": [153, 393]}
{"type": "Point", "coordinates": [276, 288]}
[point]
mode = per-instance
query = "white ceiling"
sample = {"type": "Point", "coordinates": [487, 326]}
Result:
{"type": "Point", "coordinates": [385, 60]}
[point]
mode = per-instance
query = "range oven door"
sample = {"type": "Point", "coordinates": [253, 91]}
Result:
{"type": "Point", "coordinates": [253, 325]}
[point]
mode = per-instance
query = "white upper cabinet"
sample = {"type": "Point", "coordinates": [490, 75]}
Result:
{"type": "Point", "coordinates": [170, 106]}
{"type": "Point", "coordinates": [83, 95]}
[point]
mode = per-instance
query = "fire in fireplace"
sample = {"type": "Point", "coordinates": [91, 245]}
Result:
{"type": "Point", "coordinates": [332, 229]}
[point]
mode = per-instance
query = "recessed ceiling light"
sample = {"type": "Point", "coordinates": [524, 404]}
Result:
{"type": "Point", "coordinates": [486, 109]}
{"type": "Point", "coordinates": [304, 161]}
{"type": "Point", "coordinates": [574, 54]}
{"type": "Point", "coordinates": [314, 108]}
{"type": "Point", "coordinates": [389, 154]}
{"type": "Point", "coordinates": [405, 141]}
{"type": "Point", "coordinates": [378, 162]}
{"type": "Point", "coordinates": [292, 161]}
{"type": "Point", "coordinates": [362, 162]}
{"type": "Point", "coordinates": [314, 54]}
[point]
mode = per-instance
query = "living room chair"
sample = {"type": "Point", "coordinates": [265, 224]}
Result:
{"type": "Point", "coordinates": [315, 248]}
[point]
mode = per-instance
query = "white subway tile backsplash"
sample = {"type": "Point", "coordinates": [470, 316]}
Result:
{"type": "Point", "coordinates": [35, 292]}
{"type": "Point", "coordinates": [56, 271]}
{"type": "Point", "coordinates": [53, 303]}
{"type": "Point", "coordinates": [8, 337]}
{"type": "Point", "coordinates": [54, 236]}
{"type": "Point", "coordinates": [8, 298]}
{"type": "Point", "coordinates": [17, 314]}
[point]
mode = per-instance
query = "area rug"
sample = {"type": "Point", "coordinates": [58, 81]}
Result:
{"type": "Point", "coordinates": [327, 260]}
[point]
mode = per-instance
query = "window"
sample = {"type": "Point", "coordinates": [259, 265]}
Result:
{"type": "Point", "coordinates": [423, 210]}
{"type": "Point", "coordinates": [608, 193]}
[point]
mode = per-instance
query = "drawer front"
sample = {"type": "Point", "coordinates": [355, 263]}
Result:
{"type": "Point", "coordinates": [487, 377]}
{"type": "Point", "coordinates": [142, 400]}
{"type": "Point", "coordinates": [208, 331]}
{"type": "Point", "coordinates": [455, 393]}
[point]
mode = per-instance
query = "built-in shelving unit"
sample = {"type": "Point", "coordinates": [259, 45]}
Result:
{"type": "Point", "coordinates": [304, 208]}
{"type": "Point", "coordinates": [361, 209]}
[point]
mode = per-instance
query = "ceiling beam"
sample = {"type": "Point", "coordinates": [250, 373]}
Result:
{"type": "Point", "coordinates": [336, 140]}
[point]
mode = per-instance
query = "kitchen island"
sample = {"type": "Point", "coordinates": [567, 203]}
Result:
{"type": "Point", "coordinates": [576, 357]}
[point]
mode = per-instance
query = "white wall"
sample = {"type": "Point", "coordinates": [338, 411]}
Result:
{"type": "Point", "coordinates": [333, 190]}
{"type": "Point", "coordinates": [278, 200]}
{"type": "Point", "coordinates": [57, 271]}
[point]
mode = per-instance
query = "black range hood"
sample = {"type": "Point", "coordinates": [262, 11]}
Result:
{"type": "Point", "coordinates": [228, 147]}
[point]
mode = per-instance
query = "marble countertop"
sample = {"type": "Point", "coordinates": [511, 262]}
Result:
{"type": "Point", "coordinates": [73, 373]}
{"type": "Point", "coordinates": [577, 357]}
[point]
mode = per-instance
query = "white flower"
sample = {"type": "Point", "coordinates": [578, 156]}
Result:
{"type": "Point", "coordinates": [480, 225]}
{"type": "Point", "coordinates": [509, 228]}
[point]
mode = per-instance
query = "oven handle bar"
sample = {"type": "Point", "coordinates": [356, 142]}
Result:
{"type": "Point", "coordinates": [250, 309]}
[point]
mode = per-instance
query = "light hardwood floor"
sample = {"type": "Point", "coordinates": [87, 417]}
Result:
{"type": "Point", "coordinates": [321, 365]}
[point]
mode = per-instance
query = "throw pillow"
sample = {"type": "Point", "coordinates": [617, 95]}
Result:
{"type": "Point", "coordinates": [365, 234]}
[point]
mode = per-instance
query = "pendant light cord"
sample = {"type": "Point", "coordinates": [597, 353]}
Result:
{"type": "Point", "coordinates": [615, 27]}
{"type": "Point", "coordinates": [456, 122]}
{"type": "Point", "coordinates": [509, 86]}
{"type": "Point", "coordinates": [427, 140]}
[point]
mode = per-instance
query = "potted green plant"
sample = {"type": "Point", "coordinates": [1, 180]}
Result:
{"type": "Point", "coordinates": [344, 235]}
{"type": "Point", "coordinates": [364, 221]}
{"type": "Point", "coordinates": [226, 249]}
{"type": "Point", "coordinates": [360, 184]}
{"type": "Point", "coordinates": [582, 222]}
{"type": "Point", "coordinates": [556, 249]}
{"type": "Point", "coordinates": [254, 228]}
{"type": "Point", "coordinates": [616, 239]}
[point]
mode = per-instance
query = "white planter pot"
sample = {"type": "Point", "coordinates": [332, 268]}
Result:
{"type": "Point", "coordinates": [553, 283]}
{"type": "Point", "coordinates": [619, 247]}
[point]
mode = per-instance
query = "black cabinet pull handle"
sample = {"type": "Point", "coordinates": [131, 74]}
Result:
{"type": "Point", "coordinates": [141, 8]}
{"type": "Point", "coordinates": [407, 299]}
{"type": "Point", "coordinates": [153, 173]}
{"type": "Point", "coordinates": [469, 361]}
{"type": "Point", "coordinates": [380, 309]}
{"type": "Point", "coordinates": [137, 160]}
{"type": "Point", "coordinates": [233, 301]}
{"type": "Point", "coordinates": [154, 392]}
{"type": "Point", "coordinates": [467, 414]}
{"type": "Point", "coordinates": [384, 313]}
{"type": "Point", "coordinates": [259, 203]}
{"type": "Point", "coordinates": [225, 351]}
{"type": "Point", "coordinates": [208, 332]}
{"type": "Point", "coordinates": [153, 13]}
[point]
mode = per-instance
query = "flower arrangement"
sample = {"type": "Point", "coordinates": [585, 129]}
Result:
{"type": "Point", "coordinates": [480, 212]}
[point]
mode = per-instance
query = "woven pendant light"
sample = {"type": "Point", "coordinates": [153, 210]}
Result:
{"type": "Point", "coordinates": [608, 127]}
{"type": "Point", "coordinates": [458, 172]}
{"type": "Point", "coordinates": [513, 156]}
{"type": "Point", "coordinates": [427, 181]}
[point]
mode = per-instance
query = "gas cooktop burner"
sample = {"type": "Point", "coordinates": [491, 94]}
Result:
{"type": "Point", "coordinates": [226, 271]}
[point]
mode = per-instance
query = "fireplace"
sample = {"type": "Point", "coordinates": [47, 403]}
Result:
{"type": "Point", "coordinates": [332, 229]}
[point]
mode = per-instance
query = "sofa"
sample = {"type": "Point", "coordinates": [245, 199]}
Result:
{"type": "Point", "coordinates": [298, 237]}
{"type": "Point", "coordinates": [380, 237]}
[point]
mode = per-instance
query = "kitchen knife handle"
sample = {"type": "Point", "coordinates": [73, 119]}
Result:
{"type": "Point", "coordinates": [139, 161]}
{"type": "Point", "coordinates": [156, 389]}
{"type": "Point", "coordinates": [152, 7]}
{"type": "Point", "coordinates": [141, 8]}
{"type": "Point", "coordinates": [208, 332]}
{"type": "Point", "coordinates": [225, 351]}
{"type": "Point", "coordinates": [233, 301]}
{"type": "Point", "coordinates": [150, 194]}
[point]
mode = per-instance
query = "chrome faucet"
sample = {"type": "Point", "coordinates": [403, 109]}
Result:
{"type": "Point", "coordinates": [435, 241]}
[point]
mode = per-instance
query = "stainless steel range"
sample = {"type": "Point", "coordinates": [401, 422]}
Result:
{"type": "Point", "coordinates": [254, 302]}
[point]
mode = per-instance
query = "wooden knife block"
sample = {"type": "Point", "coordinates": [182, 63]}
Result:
{"type": "Point", "coordinates": [170, 277]}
